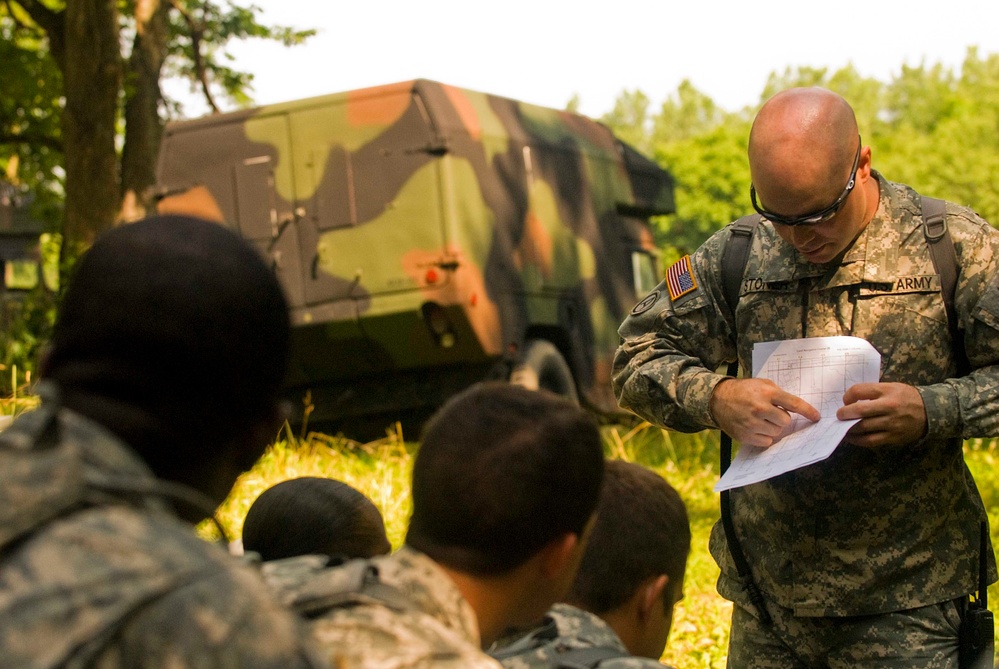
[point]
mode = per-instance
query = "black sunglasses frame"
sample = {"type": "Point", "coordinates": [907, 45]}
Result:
{"type": "Point", "coordinates": [818, 217]}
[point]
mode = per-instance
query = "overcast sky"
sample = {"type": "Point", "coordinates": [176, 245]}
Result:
{"type": "Point", "coordinates": [545, 51]}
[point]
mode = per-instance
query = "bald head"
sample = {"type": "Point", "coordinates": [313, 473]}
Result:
{"type": "Point", "coordinates": [801, 147]}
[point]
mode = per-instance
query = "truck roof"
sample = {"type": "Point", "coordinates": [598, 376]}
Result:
{"type": "Point", "coordinates": [439, 102]}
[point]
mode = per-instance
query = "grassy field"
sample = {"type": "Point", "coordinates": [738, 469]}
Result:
{"type": "Point", "coordinates": [689, 462]}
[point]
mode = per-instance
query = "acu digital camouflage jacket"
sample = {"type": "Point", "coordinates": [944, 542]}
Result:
{"type": "Point", "coordinates": [94, 578]}
{"type": "Point", "coordinates": [868, 530]}
{"type": "Point", "coordinates": [427, 623]}
{"type": "Point", "coordinates": [573, 628]}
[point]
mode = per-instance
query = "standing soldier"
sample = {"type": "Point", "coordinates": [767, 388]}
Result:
{"type": "Point", "coordinates": [865, 559]}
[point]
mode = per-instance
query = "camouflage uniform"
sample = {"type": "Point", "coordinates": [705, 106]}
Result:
{"type": "Point", "coordinates": [573, 628]}
{"type": "Point", "coordinates": [869, 530]}
{"type": "Point", "coordinates": [435, 627]}
{"type": "Point", "coordinates": [98, 577]}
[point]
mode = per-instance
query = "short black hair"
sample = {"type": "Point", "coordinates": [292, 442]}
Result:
{"type": "Point", "coordinates": [314, 515]}
{"type": "Point", "coordinates": [173, 332]}
{"type": "Point", "coordinates": [501, 472]}
{"type": "Point", "coordinates": [642, 530]}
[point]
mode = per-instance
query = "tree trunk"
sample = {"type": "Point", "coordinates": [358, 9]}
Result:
{"type": "Point", "coordinates": [92, 81]}
{"type": "Point", "coordinates": [143, 125]}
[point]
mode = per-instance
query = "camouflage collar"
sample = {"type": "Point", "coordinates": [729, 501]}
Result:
{"type": "Point", "coordinates": [430, 589]}
{"type": "Point", "coordinates": [585, 627]}
{"type": "Point", "coordinates": [48, 458]}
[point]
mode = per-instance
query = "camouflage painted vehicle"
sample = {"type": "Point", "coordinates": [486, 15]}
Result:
{"type": "Point", "coordinates": [429, 237]}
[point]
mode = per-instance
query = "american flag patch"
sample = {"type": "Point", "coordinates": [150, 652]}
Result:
{"type": "Point", "coordinates": [680, 279]}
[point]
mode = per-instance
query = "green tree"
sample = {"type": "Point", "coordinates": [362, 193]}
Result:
{"type": "Point", "coordinates": [30, 117]}
{"type": "Point", "coordinates": [928, 127]}
{"type": "Point", "coordinates": [685, 114]}
{"type": "Point", "coordinates": [937, 132]}
{"type": "Point", "coordinates": [704, 147]}
{"type": "Point", "coordinates": [82, 113]}
{"type": "Point", "coordinates": [99, 64]}
{"type": "Point", "coordinates": [630, 119]}
{"type": "Point", "coordinates": [712, 184]}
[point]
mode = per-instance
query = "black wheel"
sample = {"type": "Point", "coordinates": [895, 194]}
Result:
{"type": "Point", "coordinates": [542, 366]}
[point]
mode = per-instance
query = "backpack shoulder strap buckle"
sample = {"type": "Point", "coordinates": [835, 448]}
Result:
{"type": "Point", "coordinates": [934, 219]}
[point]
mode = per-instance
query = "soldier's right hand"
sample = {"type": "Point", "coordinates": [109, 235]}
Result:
{"type": "Point", "coordinates": [756, 412]}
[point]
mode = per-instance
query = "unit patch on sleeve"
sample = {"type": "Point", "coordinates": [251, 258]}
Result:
{"type": "Point", "coordinates": [646, 304]}
{"type": "Point", "coordinates": [680, 278]}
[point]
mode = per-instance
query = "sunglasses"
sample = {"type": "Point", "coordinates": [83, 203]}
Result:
{"type": "Point", "coordinates": [820, 216]}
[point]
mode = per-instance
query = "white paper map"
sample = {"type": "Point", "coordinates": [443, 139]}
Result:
{"type": "Point", "coordinates": [818, 370]}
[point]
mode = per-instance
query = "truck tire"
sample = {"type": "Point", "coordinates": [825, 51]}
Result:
{"type": "Point", "coordinates": [542, 366]}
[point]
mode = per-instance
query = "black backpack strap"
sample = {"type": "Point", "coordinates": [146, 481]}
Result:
{"type": "Point", "coordinates": [734, 259]}
{"type": "Point", "coordinates": [944, 258]}
{"type": "Point", "coordinates": [732, 539]}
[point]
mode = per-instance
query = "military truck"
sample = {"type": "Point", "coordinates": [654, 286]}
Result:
{"type": "Point", "coordinates": [428, 237]}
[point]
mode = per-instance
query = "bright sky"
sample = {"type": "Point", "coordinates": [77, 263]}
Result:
{"type": "Point", "coordinates": [545, 51]}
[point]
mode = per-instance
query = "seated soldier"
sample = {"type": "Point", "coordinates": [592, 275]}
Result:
{"type": "Point", "coordinates": [311, 515]}
{"type": "Point", "coordinates": [504, 487]}
{"type": "Point", "coordinates": [620, 609]}
{"type": "Point", "coordinates": [161, 386]}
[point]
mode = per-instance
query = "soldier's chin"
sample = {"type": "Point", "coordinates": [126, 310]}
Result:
{"type": "Point", "coordinates": [818, 256]}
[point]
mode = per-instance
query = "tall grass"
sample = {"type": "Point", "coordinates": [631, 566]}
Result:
{"type": "Point", "coordinates": [381, 470]}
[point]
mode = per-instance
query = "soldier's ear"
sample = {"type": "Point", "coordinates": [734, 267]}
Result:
{"type": "Point", "coordinates": [559, 554]}
{"type": "Point", "coordinates": [651, 592]}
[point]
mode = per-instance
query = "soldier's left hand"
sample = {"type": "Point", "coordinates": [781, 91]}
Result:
{"type": "Point", "coordinates": [891, 414]}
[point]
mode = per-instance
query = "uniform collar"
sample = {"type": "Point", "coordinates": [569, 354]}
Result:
{"type": "Point", "coordinates": [431, 590]}
{"type": "Point", "coordinates": [581, 625]}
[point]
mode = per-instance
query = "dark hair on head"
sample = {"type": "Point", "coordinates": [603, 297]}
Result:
{"type": "Point", "coordinates": [312, 515]}
{"type": "Point", "coordinates": [642, 530]}
{"type": "Point", "coordinates": [174, 332]}
{"type": "Point", "coordinates": [501, 472]}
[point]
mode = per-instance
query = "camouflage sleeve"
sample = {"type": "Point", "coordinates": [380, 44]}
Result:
{"type": "Point", "coordinates": [968, 407]}
{"type": "Point", "coordinates": [671, 345]}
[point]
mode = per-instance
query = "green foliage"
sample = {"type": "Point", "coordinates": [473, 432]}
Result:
{"type": "Point", "coordinates": [27, 318]}
{"type": "Point", "coordinates": [630, 119]}
{"type": "Point", "coordinates": [32, 81]}
{"type": "Point", "coordinates": [199, 34]}
{"type": "Point", "coordinates": [937, 132]}
{"type": "Point", "coordinates": [72, 178]}
{"type": "Point", "coordinates": [703, 146]}
{"type": "Point", "coordinates": [30, 115]}
{"type": "Point", "coordinates": [928, 127]}
{"type": "Point", "coordinates": [687, 114]}
{"type": "Point", "coordinates": [712, 180]}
